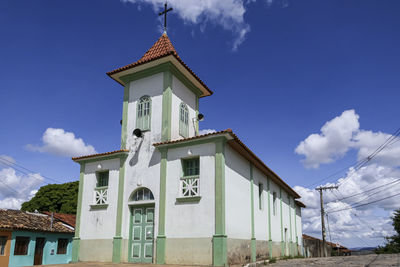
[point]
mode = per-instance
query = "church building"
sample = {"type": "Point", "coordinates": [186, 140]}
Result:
{"type": "Point", "coordinates": [172, 196]}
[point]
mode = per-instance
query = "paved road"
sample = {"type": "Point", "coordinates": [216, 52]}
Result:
{"type": "Point", "coordinates": [346, 261]}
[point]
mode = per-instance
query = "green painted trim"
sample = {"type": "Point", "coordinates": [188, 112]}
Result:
{"type": "Point", "coordinates": [166, 107]}
{"type": "Point", "coordinates": [269, 220]}
{"type": "Point", "coordinates": [75, 249]}
{"type": "Point", "coordinates": [140, 125]}
{"type": "Point", "coordinates": [290, 224]}
{"type": "Point", "coordinates": [219, 239]}
{"type": "Point", "coordinates": [188, 199]}
{"type": "Point", "coordinates": [117, 249]}
{"type": "Point", "coordinates": [130, 234]}
{"type": "Point", "coordinates": [99, 207]}
{"type": "Point", "coordinates": [76, 243]}
{"type": "Point", "coordinates": [167, 66]}
{"type": "Point", "coordinates": [124, 126]}
{"type": "Point", "coordinates": [116, 257]}
{"type": "Point", "coordinates": [160, 251]}
{"type": "Point", "coordinates": [194, 142]}
{"type": "Point", "coordinates": [253, 239]}
{"type": "Point", "coordinates": [282, 241]}
{"type": "Point", "coordinates": [219, 250]}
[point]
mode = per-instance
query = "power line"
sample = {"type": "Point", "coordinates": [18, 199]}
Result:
{"type": "Point", "coordinates": [21, 169]}
{"type": "Point", "coordinates": [359, 164]}
{"type": "Point", "coordinates": [395, 181]}
{"type": "Point", "coordinates": [352, 207]}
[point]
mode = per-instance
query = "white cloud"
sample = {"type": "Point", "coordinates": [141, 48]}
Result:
{"type": "Point", "coordinates": [206, 131]}
{"type": "Point", "coordinates": [365, 225]}
{"type": "Point", "coordinates": [367, 142]}
{"type": "Point", "coordinates": [62, 143]}
{"type": "Point", "coordinates": [332, 143]}
{"type": "Point", "coordinates": [229, 14]}
{"type": "Point", "coordinates": [16, 189]}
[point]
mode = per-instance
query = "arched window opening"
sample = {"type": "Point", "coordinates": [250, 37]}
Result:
{"type": "Point", "coordinates": [143, 117]}
{"type": "Point", "coordinates": [184, 120]}
{"type": "Point", "coordinates": [142, 194]}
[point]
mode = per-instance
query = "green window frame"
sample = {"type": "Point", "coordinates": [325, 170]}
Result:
{"type": "Point", "coordinates": [183, 120]}
{"type": "Point", "coordinates": [190, 180]}
{"type": "Point", "coordinates": [102, 178]}
{"type": "Point", "coordinates": [143, 113]}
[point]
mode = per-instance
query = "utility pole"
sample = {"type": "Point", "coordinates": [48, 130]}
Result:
{"type": "Point", "coordinates": [320, 189]}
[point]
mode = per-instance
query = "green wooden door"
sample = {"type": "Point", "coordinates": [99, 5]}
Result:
{"type": "Point", "coordinates": [142, 235]}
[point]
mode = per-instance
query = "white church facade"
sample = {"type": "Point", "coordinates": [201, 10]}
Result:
{"type": "Point", "coordinates": [172, 196]}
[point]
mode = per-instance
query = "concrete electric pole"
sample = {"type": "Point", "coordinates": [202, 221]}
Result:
{"type": "Point", "coordinates": [320, 189]}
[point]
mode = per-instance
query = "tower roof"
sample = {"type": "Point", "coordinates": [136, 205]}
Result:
{"type": "Point", "coordinates": [160, 49]}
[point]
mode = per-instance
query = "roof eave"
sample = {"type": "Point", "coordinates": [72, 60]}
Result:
{"type": "Point", "coordinates": [101, 156]}
{"type": "Point", "coordinates": [116, 74]}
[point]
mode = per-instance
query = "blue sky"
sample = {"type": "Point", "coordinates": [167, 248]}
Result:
{"type": "Point", "coordinates": [279, 70]}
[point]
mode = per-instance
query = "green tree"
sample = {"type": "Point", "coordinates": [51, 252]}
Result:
{"type": "Point", "coordinates": [61, 198]}
{"type": "Point", "coordinates": [392, 242]}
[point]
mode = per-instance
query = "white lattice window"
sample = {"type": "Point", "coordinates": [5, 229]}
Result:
{"type": "Point", "coordinates": [190, 187]}
{"type": "Point", "coordinates": [190, 181]}
{"type": "Point", "coordinates": [101, 196]}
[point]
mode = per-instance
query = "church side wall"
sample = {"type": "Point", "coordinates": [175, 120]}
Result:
{"type": "Point", "coordinates": [237, 207]}
{"type": "Point", "coordinates": [189, 226]}
{"type": "Point", "coordinates": [180, 93]}
{"type": "Point", "coordinates": [238, 213]}
{"type": "Point", "coordinates": [95, 221]}
{"type": "Point", "coordinates": [299, 231]}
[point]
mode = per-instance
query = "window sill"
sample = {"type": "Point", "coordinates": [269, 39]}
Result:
{"type": "Point", "coordinates": [101, 187]}
{"type": "Point", "coordinates": [99, 207]}
{"type": "Point", "coordinates": [188, 199]}
{"type": "Point", "coordinates": [190, 177]}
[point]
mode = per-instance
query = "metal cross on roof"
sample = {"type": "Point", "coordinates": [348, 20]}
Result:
{"type": "Point", "coordinates": [166, 10]}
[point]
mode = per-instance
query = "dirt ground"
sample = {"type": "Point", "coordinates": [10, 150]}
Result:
{"type": "Point", "coordinates": [346, 261]}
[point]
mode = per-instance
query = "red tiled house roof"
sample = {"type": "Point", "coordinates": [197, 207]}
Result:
{"type": "Point", "coordinates": [64, 218]}
{"type": "Point", "coordinates": [20, 220]}
{"type": "Point", "coordinates": [162, 48]}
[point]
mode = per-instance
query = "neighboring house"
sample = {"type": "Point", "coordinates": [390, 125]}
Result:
{"type": "Point", "coordinates": [33, 239]}
{"type": "Point", "coordinates": [172, 196]}
{"type": "Point", "coordinates": [68, 219]}
{"type": "Point", "coordinates": [313, 248]}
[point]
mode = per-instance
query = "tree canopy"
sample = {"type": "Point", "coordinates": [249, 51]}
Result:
{"type": "Point", "coordinates": [392, 242]}
{"type": "Point", "coordinates": [62, 198]}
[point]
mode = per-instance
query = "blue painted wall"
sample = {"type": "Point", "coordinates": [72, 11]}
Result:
{"type": "Point", "coordinates": [50, 255]}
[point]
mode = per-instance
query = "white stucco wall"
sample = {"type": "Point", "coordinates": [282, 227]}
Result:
{"type": "Point", "coordinates": [151, 86]}
{"type": "Point", "coordinates": [180, 93]}
{"type": "Point", "coordinates": [260, 215]}
{"type": "Point", "coordinates": [237, 195]}
{"type": "Point", "coordinates": [275, 219]}
{"type": "Point", "coordinates": [142, 167]}
{"type": "Point", "coordinates": [191, 219]}
{"type": "Point", "coordinates": [102, 221]}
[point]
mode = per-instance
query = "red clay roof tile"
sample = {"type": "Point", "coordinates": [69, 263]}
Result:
{"type": "Point", "coordinates": [16, 219]}
{"type": "Point", "coordinates": [162, 48]}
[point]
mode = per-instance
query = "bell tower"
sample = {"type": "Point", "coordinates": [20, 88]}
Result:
{"type": "Point", "coordinates": [161, 95]}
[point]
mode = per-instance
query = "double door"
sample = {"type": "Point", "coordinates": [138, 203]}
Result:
{"type": "Point", "coordinates": [142, 234]}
